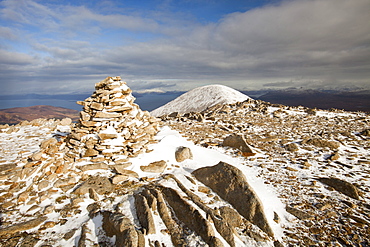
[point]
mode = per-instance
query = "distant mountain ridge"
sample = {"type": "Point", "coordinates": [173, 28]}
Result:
{"type": "Point", "coordinates": [349, 101]}
{"type": "Point", "coordinates": [18, 114]}
{"type": "Point", "coordinates": [201, 98]}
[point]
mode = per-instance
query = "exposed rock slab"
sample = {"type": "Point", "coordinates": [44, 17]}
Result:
{"type": "Point", "coordinates": [196, 222]}
{"type": "Point", "coordinates": [232, 186]}
{"type": "Point", "coordinates": [144, 215]}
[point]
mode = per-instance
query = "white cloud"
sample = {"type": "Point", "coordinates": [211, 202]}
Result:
{"type": "Point", "coordinates": [316, 41]}
{"type": "Point", "coordinates": [7, 34]}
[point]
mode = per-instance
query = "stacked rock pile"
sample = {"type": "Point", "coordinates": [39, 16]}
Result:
{"type": "Point", "coordinates": [111, 125]}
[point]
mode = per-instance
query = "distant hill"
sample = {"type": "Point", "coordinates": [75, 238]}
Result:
{"type": "Point", "coordinates": [18, 114]}
{"type": "Point", "coordinates": [350, 101]}
{"type": "Point", "coordinates": [201, 98]}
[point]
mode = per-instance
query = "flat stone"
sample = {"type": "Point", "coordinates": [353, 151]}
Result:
{"type": "Point", "coordinates": [85, 116]}
{"type": "Point", "coordinates": [49, 209]}
{"type": "Point", "coordinates": [107, 115]}
{"type": "Point", "coordinates": [94, 166]}
{"type": "Point", "coordinates": [23, 226]}
{"type": "Point", "coordinates": [43, 184]}
{"type": "Point", "coordinates": [65, 182]}
{"type": "Point", "coordinates": [7, 167]}
{"type": "Point", "coordinates": [88, 123]}
{"type": "Point", "coordinates": [104, 136]}
{"type": "Point", "coordinates": [90, 152]}
{"type": "Point", "coordinates": [119, 179]}
{"type": "Point", "coordinates": [126, 172]}
{"type": "Point", "coordinates": [101, 185]}
{"type": "Point", "coordinates": [299, 213]}
{"type": "Point", "coordinates": [47, 143]}
{"type": "Point", "coordinates": [155, 167]}
{"type": "Point", "coordinates": [119, 109]}
{"type": "Point", "coordinates": [96, 106]}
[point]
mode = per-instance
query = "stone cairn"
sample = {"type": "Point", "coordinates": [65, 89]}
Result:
{"type": "Point", "coordinates": [111, 126]}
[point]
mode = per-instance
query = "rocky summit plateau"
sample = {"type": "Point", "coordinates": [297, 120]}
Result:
{"type": "Point", "coordinates": [238, 172]}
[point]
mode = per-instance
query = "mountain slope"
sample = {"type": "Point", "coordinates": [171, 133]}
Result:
{"type": "Point", "coordinates": [18, 114]}
{"type": "Point", "coordinates": [200, 99]}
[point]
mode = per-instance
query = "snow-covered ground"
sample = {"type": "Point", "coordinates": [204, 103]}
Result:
{"type": "Point", "coordinates": [280, 177]}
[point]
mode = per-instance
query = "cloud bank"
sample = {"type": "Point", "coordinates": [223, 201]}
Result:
{"type": "Point", "coordinates": [50, 47]}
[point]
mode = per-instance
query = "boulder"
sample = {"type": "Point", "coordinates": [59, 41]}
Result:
{"type": "Point", "coordinates": [238, 142]}
{"type": "Point", "coordinates": [231, 216]}
{"type": "Point", "coordinates": [232, 186]}
{"type": "Point", "coordinates": [291, 147]}
{"type": "Point", "coordinates": [66, 121]}
{"type": "Point", "coordinates": [342, 186]}
{"type": "Point", "coordinates": [183, 153]}
{"type": "Point", "coordinates": [317, 142]}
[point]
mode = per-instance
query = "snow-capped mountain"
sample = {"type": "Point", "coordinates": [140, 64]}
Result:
{"type": "Point", "coordinates": [201, 98]}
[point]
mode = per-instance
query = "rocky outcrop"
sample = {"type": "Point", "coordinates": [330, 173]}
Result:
{"type": "Point", "coordinates": [231, 185]}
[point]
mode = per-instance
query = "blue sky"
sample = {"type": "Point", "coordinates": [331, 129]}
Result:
{"type": "Point", "coordinates": [57, 47]}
